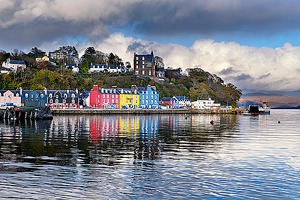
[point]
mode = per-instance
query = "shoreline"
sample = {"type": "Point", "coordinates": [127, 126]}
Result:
{"type": "Point", "coordinates": [140, 111]}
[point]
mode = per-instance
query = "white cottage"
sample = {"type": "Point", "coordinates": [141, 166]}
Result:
{"type": "Point", "coordinates": [205, 104]}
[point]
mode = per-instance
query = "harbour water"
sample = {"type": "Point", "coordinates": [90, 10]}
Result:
{"type": "Point", "coordinates": [152, 157]}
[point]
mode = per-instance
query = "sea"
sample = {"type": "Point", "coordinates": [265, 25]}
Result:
{"type": "Point", "coordinates": [152, 157]}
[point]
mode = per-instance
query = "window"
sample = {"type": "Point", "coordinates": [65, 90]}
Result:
{"type": "Point", "coordinates": [50, 95]}
{"type": "Point", "coordinates": [107, 96]}
{"type": "Point", "coordinates": [143, 62]}
{"type": "Point", "coordinates": [112, 96]}
{"type": "Point", "coordinates": [143, 72]}
{"type": "Point", "coordinates": [56, 100]}
{"type": "Point", "coordinates": [42, 95]}
{"type": "Point", "coordinates": [36, 96]}
{"type": "Point", "coordinates": [16, 95]}
{"type": "Point", "coordinates": [103, 100]}
{"type": "Point", "coordinates": [149, 72]}
{"type": "Point", "coordinates": [137, 62]}
{"type": "Point", "coordinates": [143, 58]}
{"type": "Point", "coordinates": [143, 66]}
{"type": "Point", "coordinates": [73, 101]}
{"type": "Point", "coordinates": [104, 96]}
{"type": "Point", "coordinates": [56, 96]}
{"type": "Point", "coordinates": [26, 95]}
{"type": "Point", "coordinates": [136, 72]}
{"type": "Point", "coordinates": [51, 100]}
{"type": "Point", "coordinates": [112, 101]}
{"type": "Point", "coordinates": [64, 101]}
{"type": "Point", "coordinates": [137, 66]}
{"type": "Point", "coordinates": [137, 58]}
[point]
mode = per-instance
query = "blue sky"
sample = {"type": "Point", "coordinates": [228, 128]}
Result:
{"type": "Point", "coordinates": [252, 44]}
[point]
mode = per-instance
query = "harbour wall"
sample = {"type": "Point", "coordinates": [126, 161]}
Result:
{"type": "Point", "coordinates": [140, 111]}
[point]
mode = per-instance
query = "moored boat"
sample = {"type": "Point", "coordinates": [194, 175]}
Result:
{"type": "Point", "coordinates": [258, 110]}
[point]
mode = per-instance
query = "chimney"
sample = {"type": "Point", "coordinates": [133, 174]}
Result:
{"type": "Point", "coordinates": [45, 90]}
{"type": "Point", "coordinates": [20, 91]}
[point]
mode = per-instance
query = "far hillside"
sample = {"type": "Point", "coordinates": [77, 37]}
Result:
{"type": "Point", "coordinates": [274, 100]}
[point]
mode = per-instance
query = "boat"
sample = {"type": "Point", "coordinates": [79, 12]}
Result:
{"type": "Point", "coordinates": [258, 110]}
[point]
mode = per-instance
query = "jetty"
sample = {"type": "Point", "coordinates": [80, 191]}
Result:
{"type": "Point", "coordinates": [141, 111]}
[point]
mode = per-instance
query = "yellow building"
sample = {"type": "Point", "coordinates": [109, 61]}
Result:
{"type": "Point", "coordinates": [129, 98]}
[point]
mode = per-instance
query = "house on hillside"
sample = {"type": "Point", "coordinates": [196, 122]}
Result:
{"type": "Point", "coordinates": [13, 65]}
{"type": "Point", "coordinates": [74, 67]}
{"type": "Point", "coordinates": [97, 68]}
{"type": "Point", "coordinates": [46, 58]}
{"type": "Point", "coordinates": [144, 65]}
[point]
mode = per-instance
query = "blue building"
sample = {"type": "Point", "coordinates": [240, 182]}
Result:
{"type": "Point", "coordinates": [34, 96]}
{"type": "Point", "coordinates": [149, 97]}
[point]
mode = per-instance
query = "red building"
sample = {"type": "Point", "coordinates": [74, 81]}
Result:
{"type": "Point", "coordinates": [166, 102]}
{"type": "Point", "coordinates": [104, 98]}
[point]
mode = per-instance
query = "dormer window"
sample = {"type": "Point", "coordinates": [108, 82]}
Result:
{"type": "Point", "coordinates": [50, 95]}
{"type": "Point", "coordinates": [42, 95]}
{"type": "Point", "coordinates": [26, 95]}
{"type": "Point", "coordinates": [73, 95]}
{"type": "Point", "coordinates": [65, 96]}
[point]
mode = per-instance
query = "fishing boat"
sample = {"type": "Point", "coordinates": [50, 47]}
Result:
{"type": "Point", "coordinates": [258, 110]}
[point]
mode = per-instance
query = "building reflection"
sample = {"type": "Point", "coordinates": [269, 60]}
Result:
{"type": "Point", "coordinates": [110, 139]}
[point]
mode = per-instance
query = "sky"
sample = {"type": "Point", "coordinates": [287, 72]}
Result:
{"type": "Point", "coordinates": [251, 44]}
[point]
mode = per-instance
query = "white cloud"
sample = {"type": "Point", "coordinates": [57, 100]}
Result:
{"type": "Point", "coordinates": [246, 67]}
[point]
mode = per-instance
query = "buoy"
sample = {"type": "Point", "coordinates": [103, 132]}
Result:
{"type": "Point", "coordinates": [212, 122]}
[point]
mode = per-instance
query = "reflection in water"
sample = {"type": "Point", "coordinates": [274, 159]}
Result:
{"type": "Point", "coordinates": [154, 156]}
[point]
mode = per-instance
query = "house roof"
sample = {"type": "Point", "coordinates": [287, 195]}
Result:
{"type": "Point", "coordinates": [165, 99]}
{"type": "Point", "coordinates": [181, 98]}
{"type": "Point", "coordinates": [20, 62]}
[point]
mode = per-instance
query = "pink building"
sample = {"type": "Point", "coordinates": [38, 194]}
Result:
{"type": "Point", "coordinates": [103, 98]}
{"type": "Point", "coordinates": [7, 96]}
{"type": "Point", "coordinates": [14, 64]}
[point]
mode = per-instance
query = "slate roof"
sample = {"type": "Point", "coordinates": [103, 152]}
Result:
{"type": "Point", "coordinates": [17, 62]}
{"type": "Point", "coordinates": [181, 98]}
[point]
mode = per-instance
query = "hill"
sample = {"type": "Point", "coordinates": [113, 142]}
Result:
{"type": "Point", "coordinates": [274, 100]}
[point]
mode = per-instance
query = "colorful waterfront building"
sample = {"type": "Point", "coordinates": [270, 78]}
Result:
{"type": "Point", "coordinates": [129, 98]}
{"type": "Point", "coordinates": [37, 96]}
{"type": "Point", "coordinates": [62, 99]}
{"type": "Point", "coordinates": [103, 98]}
{"type": "Point", "coordinates": [149, 97]}
{"type": "Point", "coordinates": [10, 96]}
{"type": "Point", "coordinates": [166, 101]}
{"type": "Point", "coordinates": [181, 102]}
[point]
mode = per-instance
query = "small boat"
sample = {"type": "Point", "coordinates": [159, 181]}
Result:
{"type": "Point", "coordinates": [258, 110]}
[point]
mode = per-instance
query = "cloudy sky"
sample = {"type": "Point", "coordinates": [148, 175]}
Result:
{"type": "Point", "coordinates": [252, 44]}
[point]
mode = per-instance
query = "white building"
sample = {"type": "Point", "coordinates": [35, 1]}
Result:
{"type": "Point", "coordinates": [205, 104]}
{"type": "Point", "coordinates": [13, 64]}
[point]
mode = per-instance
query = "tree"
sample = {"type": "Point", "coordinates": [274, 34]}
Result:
{"type": "Point", "coordinates": [194, 94]}
{"type": "Point", "coordinates": [84, 66]}
{"type": "Point", "coordinates": [36, 53]}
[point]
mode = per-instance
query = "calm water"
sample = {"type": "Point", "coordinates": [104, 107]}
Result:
{"type": "Point", "coordinates": [152, 157]}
